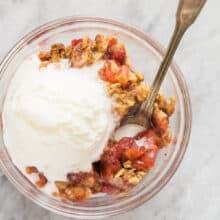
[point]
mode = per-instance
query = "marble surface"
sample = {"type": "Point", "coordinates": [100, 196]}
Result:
{"type": "Point", "coordinates": [194, 191]}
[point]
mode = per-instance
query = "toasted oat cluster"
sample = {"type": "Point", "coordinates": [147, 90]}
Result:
{"type": "Point", "coordinates": [85, 51]}
{"type": "Point", "coordinates": [42, 180]}
{"type": "Point", "coordinates": [123, 164]}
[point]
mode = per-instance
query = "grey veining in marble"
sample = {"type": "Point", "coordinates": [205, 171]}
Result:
{"type": "Point", "coordinates": [194, 191]}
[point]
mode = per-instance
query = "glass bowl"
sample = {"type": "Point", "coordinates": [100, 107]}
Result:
{"type": "Point", "coordinates": [146, 55]}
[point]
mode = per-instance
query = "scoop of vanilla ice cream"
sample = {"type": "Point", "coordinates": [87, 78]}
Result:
{"type": "Point", "coordinates": [57, 118]}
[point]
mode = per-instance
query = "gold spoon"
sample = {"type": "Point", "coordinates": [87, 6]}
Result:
{"type": "Point", "coordinates": [187, 12]}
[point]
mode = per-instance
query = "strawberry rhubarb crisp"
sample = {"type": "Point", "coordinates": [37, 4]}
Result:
{"type": "Point", "coordinates": [62, 110]}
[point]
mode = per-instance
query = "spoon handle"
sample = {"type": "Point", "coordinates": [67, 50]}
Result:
{"type": "Point", "coordinates": [187, 12]}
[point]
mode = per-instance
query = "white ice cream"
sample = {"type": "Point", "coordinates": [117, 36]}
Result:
{"type": "Point", "coordinates": [56, 118]}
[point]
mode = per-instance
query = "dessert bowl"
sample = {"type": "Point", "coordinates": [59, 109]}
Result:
{"type": "Point", "coordinates": [146, 56]}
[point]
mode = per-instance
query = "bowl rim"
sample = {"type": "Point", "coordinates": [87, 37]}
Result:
{"type": "Point", "coordinates": [39, 30]}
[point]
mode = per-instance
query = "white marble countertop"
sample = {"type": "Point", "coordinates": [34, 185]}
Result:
{"type": "Point", "coordinates": [194, 191]}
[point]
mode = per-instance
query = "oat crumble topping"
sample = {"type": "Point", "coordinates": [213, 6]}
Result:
{"type": "Point", "coordinates": [123, 164]}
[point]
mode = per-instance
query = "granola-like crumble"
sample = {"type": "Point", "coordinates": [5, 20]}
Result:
{"type": "Point", "coordinates": [123, 164]}
{"type": "Point", "coordinates": [42, 180]}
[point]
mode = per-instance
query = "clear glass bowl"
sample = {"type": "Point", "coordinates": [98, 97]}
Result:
{"type": "Point", "coordinates": [146, 55]}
